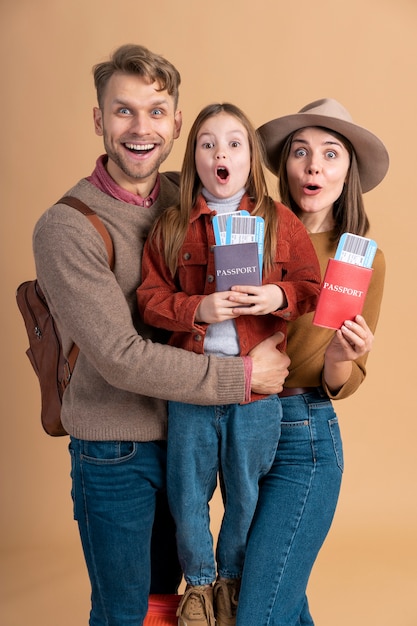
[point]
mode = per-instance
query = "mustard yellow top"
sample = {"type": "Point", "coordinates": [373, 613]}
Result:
{"type": "Point", "coordinates": [307, 343]}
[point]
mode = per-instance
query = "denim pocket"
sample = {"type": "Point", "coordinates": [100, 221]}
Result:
{"type": "Point", "coordinates": [107, 452]}
{"type": "Point", "coordinates": [337, 441]}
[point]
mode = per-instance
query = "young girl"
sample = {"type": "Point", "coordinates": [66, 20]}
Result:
{"type": "Point", "coordinates": [222, 172]}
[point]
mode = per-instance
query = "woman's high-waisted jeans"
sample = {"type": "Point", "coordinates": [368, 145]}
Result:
{"type": "Point", "coordinates": [240, 442]}
{"type": "Point", "coordinates": [296, 506]}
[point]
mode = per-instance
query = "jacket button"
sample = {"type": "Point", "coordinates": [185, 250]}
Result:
{"type": "Point", "coordinates": [197, 337]}
{"type": "Point", "coordinates": [187, 256]}
{"type": "Point", "coordinates": [210, 278]}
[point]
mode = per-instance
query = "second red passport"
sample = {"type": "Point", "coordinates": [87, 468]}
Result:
{"type": "Point", "coordinates": [342, 295]}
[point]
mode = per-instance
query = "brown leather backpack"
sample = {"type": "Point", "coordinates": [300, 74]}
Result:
{"type": "Point", "coordinates": [45, 352]}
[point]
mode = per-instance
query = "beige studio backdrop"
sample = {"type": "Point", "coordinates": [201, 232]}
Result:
{"type": "Point", "coordinates": [270, 57]}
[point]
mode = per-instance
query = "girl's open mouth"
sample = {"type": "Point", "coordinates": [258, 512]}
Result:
{"type": "Point", "coordinates": [222, 173]}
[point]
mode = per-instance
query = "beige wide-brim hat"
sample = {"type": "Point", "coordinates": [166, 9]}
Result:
{"type": "Point", "coordinates": [371, 154]}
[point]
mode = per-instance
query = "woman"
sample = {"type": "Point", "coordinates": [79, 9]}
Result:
{"type": "Point", "coordinates": [324, 163]}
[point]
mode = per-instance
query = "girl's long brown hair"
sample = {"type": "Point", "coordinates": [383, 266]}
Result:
{"type": "Point", "coordinates": [348, 210]}
{"type": "Point", "coordinates": [170, 230]}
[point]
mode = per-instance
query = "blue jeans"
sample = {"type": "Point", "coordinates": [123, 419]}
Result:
{"type": "Point", "coordinates": [127, 532]}
{"type": "Point", "coordinates": [240, 442]}
{"type": "Point", "coordinates": [296, 506]}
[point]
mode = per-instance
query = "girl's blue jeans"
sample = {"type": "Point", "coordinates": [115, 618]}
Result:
{"type": "Point", "coordinates": [297, 501]}
{"type": "Point", "coordinates": [127, 532]}
{"type": "Point", "coordinates": [237, 441]}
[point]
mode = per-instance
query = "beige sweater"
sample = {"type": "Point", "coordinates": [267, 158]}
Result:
{"type": "Point", "coordinates": [307, 343]}
{"type": "Point", "coordinates": [122, 378]}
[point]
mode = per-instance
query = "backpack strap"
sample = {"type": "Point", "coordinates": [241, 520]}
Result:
{"type": "Point", "coordinates": [79, 205]}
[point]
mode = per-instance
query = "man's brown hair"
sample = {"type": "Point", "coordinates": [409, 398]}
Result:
{"type": "Point", "coordinates": [135, 59]}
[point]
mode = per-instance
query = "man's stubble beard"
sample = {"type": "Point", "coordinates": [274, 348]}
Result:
{"type": "Point", "coordinates": [136, 173]}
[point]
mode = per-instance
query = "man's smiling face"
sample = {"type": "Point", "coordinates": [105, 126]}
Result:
{"type": "Point", "coordinates": [138, 124]}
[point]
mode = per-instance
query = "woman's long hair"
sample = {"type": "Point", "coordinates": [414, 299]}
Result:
{"type": "Point", "coordinates": [348, 210]}
{"type": "Point", "coordinates": [170, 230]}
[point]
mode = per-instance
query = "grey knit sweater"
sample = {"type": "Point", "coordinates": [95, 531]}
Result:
{"type": "Point", "coordinates": [122, 376]}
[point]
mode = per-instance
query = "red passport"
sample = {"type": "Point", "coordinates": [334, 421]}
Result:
{"type": "Point", "coordinates": [343, 293]}
{"type": "Point", "coordinates": [236, 264]}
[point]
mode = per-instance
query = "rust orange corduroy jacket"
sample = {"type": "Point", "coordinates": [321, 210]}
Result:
{"type": "Point", "coordinates": [171, 303]}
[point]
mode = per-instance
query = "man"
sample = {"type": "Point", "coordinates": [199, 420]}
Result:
{"type": "Point", "coordinates": [114, 409]}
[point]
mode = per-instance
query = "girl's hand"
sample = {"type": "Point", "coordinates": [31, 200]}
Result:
{"type": "Point", "coordinates": [215, 307]}
{"type": "Point", "coordinates": [352, 340]}
{"type": "Point", "coordinates": [257, 300]}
